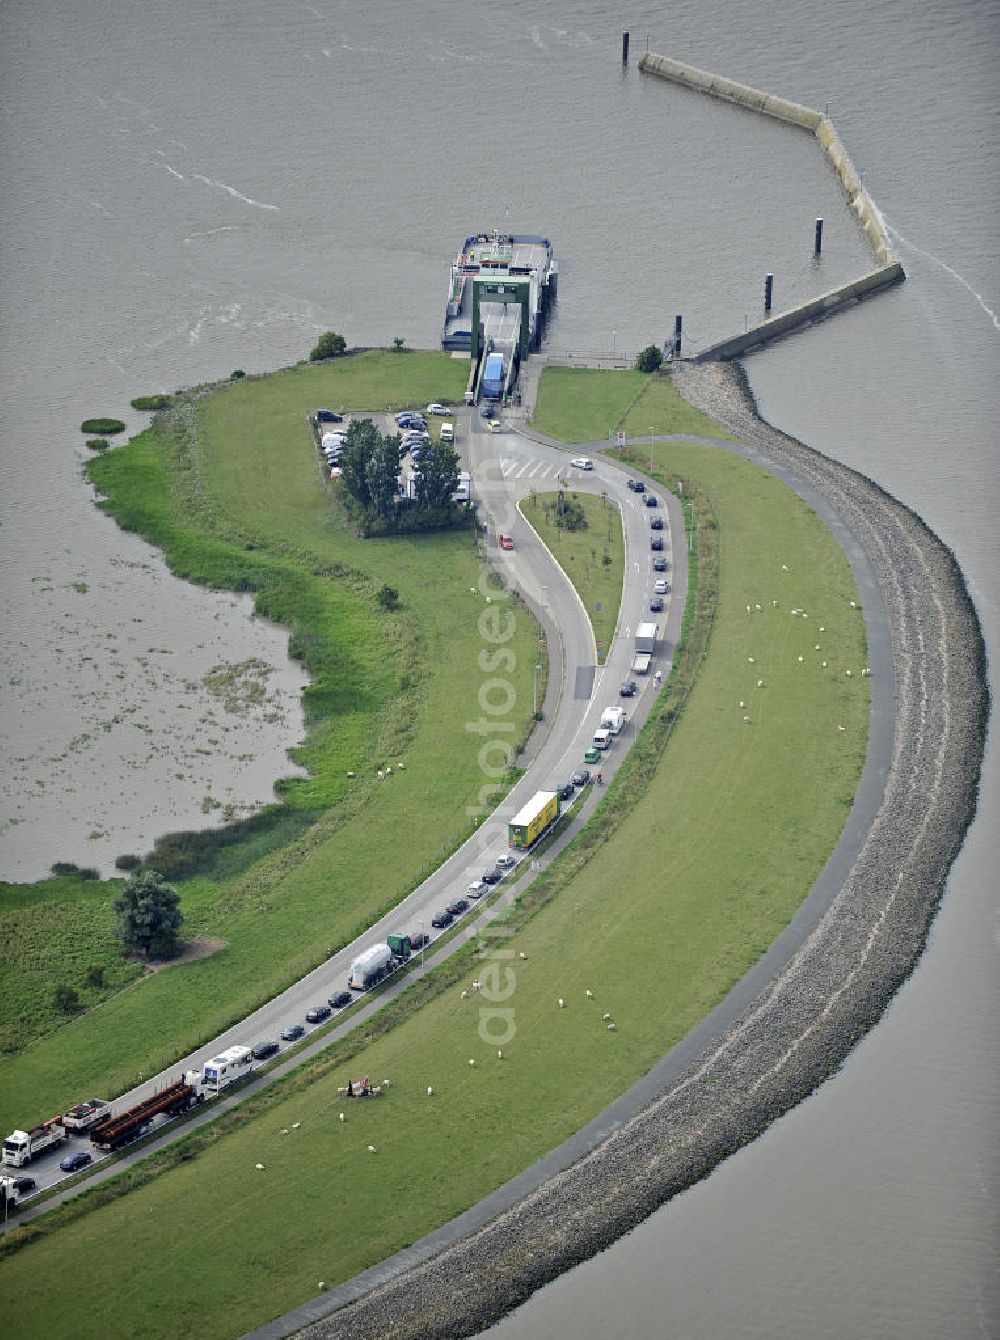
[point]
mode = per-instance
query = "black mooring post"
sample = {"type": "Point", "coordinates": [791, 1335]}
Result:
{"type": "Point", "coordinates": [677, 336]}
{"type": "Point", "coordinates": [624, 48]}
{"type": "Point", "coordinates": [768, 286]}
{"type": "Point", "coordinates": [819, 237]}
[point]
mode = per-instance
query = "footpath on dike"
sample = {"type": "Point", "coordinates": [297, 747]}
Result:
{"type": "Point", "coordinates": [799, 1012]}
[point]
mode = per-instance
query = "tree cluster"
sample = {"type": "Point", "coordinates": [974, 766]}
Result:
{"type": "Point", "coordinates": [149, 916]}
{"type": "Point", "coordinates": [649, 359]}
{"type": "Point", "coordinates": [369, 476]}
{"type": "Point", "coordinates": [329, 345]}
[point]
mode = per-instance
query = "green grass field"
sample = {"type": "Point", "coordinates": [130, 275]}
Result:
{"type": "Point", "coordinates": [593, 558]}
{"type": "Point", "coordinates": [669, 908]}
{"type": "Point", "coordinates": [587, 405]}
{"type": "Point", "coordinates": [229, 485]}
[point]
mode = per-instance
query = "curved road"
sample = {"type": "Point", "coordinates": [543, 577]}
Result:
{"type": "Point", "coordinates": [505, 467]}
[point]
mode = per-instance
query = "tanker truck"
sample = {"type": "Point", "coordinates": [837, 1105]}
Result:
{"type": "Point", "coordinates": [370, 967]}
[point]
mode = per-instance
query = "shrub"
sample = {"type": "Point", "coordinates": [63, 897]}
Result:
{"type": "Point", "coordinates": [387, 598]}
{"type": "Point", "coordinates": [152, 402]}
{"type": "Point", "coordinates": [128, 862]}
{"type": "Point", "coordinates": [104, 426]}
{"type": "Point", "coordinates": [98, 443]}
{"type": "Point", "coordinates": [236, 375]}
{"type": "Point", "coordinates": [399, 344]}
{"type": "Point", "coordinates": [95, 975]}
{"type": "Point", "coordinates": [649, 359]}
{"type": "Point", "coordinates": [66, 999]}
{"type": "Point", "coordinates": [329, 345]}
{"type": "Point", "coordinates": [64, 868]}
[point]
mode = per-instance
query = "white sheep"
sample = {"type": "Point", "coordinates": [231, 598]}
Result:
{"type": "Point", "coordinates": [430, 1092]}
{"type": "Point", "coordinates": [371, 1149]}
{"type": "Point", "coordinates": [381, 775]}
{"type": "Point", "coordinates": [259, 1167]}
{"type": "Point", "coordinates": [760, 683]}
{"type": "Point", "coordinates": [742, 703]}
{"type": "Point", "coordinates": [748, 609]}
{"type": "Point", "coordinates": [801, 659]}
{"type": "Point", "coordinates": [842, 728]}
{"type": "Point", "coordinates": [612, 1028]}
{"type": "Point", "coordinates": [774, 603]}
{"type": "Point", "coordinates": [747, 720]}
{"type": "Point", "coordinates": [284, 1130]}
{"type": "Point", "coordinates": [824, 664]}
{"type": "Point", "coordinates": [848, 673]}
{"type": "Point", "coordinates": [784, 567]}
{"type": "Point", "coordinates": [816, 648]}
{"type": "Point", "coordinates": [477, 985]}
{"type": "Point", "coordinates": [499, 1054]}
{"type": "Point", "coordinates": [341, 1116]}
{"type": "Point", "coordinates": [296, 1125]}
{"type": "Point", "coordinates": [522, 955]}
{"type": "Point", "coordinates": [590, 994]}
{"type": "Point", "coordinates": [758, 607]}
{"type": "Point", "coordinates": [605, 1018]}
{"type": "Point", "coordinates": [350, 774]}
{"type": "Point", "coordinates": [472, 1060]}
{"type": "Point", "coordinates": [465, 995]}
{"type": "Point", "coordinates": [854, 604]}
{"type": "Point", "coordinates": [750, 659]}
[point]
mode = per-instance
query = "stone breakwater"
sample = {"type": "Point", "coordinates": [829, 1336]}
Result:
{"type": "Point", "coordinates": [834, 988]}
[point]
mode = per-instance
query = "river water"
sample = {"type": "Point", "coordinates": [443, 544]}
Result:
{"type": "Point", "coordinates": [189, 189]}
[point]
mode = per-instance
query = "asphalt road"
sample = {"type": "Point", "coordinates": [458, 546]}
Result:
{"type": "Point", "coordinates": [506, 466]}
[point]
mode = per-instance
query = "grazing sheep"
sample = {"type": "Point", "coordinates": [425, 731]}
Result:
{"type": "Point", "coordinates": [747, 720]}
{"type": "Point", "coordinates": [371, 1149]}
{"type": "Point", "coordinates": [477, 984]}
{"type": "Point", "coordinates": [842, 728]}
{"type": "Point", "coordinates": [605, 1018]}
{"type": "Point", "coordinates": [822, 629]}
{"type": "Point", "coordinates": [284, 1130]}
{"type": "Point", "coordinates": [742, 703]}
{"type": "Point", "coordinates": [296, 1125]}
{"type": "Point", "coordinates": [590, 994]}
{"type": "Point", "coordinates": [816, 648]}
{"type": "Point", "coordinates": [381, 775]}
{"type": "Point", "coordinates": [430, 1092]}
{"type": "Point", "coordinates": [612, 1028]}
{"type": "Point", "coordinates": [562, 1003]}
{"type": "Point", "coordinates": [748, 609]}
{"type": "Point", "coordinates": [784, 567]}
{"type": "Point", "coordinates": [259, 1167]}
{"type": "Point", "coordinates": [499, 1054]}
{"type": "Point", "coordinates": [522, 955]}
{"type": "Point", "coordinates": [472, 1060]}
{"type": "Point", "coordinates": [350, 774]}
{"type": "Point", "coordinates": [801, 659]}
{"type": "Point", "coordinates": [824, 664]}
{"type": "Point", "coordinates": [854, 604]}
{"type": "Point", "coordinates": [465, 995]}
{"type": "Point", "coordinates": [750, 659]}
{"type": "Point", "coordinates": [774, 603]}
{"type": "Point", "coordinates": [847, 673]}
{"type": "Point", "coordinates": [760, 683]}
{"type": "Point", "coordinates": [400, 767]}
{"type": "Point", "coordinates": [758, 607]}
{"type": "Point", "coordinates": [341, 1116]}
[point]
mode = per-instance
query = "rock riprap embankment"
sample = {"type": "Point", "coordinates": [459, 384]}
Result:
{"type": "Point", "coordinates": [833, 987]}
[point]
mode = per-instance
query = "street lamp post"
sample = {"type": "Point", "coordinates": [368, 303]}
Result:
{"type": "Point", "coordinates": [614, 336]}
{"type": "Point", "coordinates": [534, 698]}
{"type": "Point", "coordinates": [423, 943]}
{"type": "Point", "coordinates": [650, 448]}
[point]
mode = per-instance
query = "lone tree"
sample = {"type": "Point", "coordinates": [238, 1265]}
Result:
{"type": "Point", "coordinates": [649, 359]}
{"type": "Point", "coordinates": [329, 345]}
{"type": "Point", "coordinates": [149, 916]}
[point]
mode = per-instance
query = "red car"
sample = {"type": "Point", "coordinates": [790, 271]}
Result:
{"type": "Point", "coordinates": [506, 542]}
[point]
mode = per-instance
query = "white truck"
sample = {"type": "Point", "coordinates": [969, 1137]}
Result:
{"type": "Point", "coordinates": [85, 1115]}
{"type": "Point", "coordinates": [613, 719]}
{"type": "Point", "coordinates": [370, 967]}
{"type": "Point", "coordinates": [645, 647]}
{"type": "Point", "coordinates": [21, 1147]}
{"type": "Point", "coordinates": [221, 1071]}
{"type": "Point", "coordinates": [603, 739]}
{"type": "Point", "coordinates": [13, 1190]}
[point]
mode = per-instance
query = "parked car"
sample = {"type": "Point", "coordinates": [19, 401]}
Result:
{"type": "Point", "coordinates": [292, 1033]}
{"type": "Point", "coordinates": [476, 889]}
{"type": "Point", "coordinates": [593, 755]}
{"type": "Point", "coordinates": [22, 1185]}
{"type": "Point", "coordinates": [457, 906]}
{"type": "Point", "coordinates": [506, 542]}
{"type": "Point", "coordinates": [565, 792]}
{"type": "Point", "coordinates": [420, 939]}
{"type": "Point", "coordinates": [628, 689]}
{"type": "Point", "coordinates": [317, 1014]}
{"type": "Point", "coordinates": [656, 605]}
{"type": "Point", "coordinates": [493, 875]}
{"type": "Point", "coordinates": [506, 861]}
{"type": "Point", "coordinates": [263, 1050]}
{"type": "Point", "coordinates": [660, 586]}
{"type": "Point", "coordinates": [74, 1162]}
{"type": "Point", "coordinates": [650, 500]}
{"type": "Point", "coordinates": [435, 408]}
{"type": "Point", "coordinates": [328, 416]}
{"type": "Point", "coordinates": [656, 543]}
{"type": "Point", "coordinates": [656, 522]}
{"type": "Point", "coordinates": [339, 999]}
{"type": "Point", "coordinates": [442, 919]}
{"type": "Point", "coordinates": [582, 462]}
{"type": "Point", "coordinates": [581, 777]}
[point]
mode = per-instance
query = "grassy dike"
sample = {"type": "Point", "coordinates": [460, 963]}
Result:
{"type": "Point", "coordinates": [703, 847]}
{"type": "Point", "coordinates": [228, 484]}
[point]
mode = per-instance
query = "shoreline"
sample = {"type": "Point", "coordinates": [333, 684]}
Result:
{"type": "Point", "coordinates": [833, 989]}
